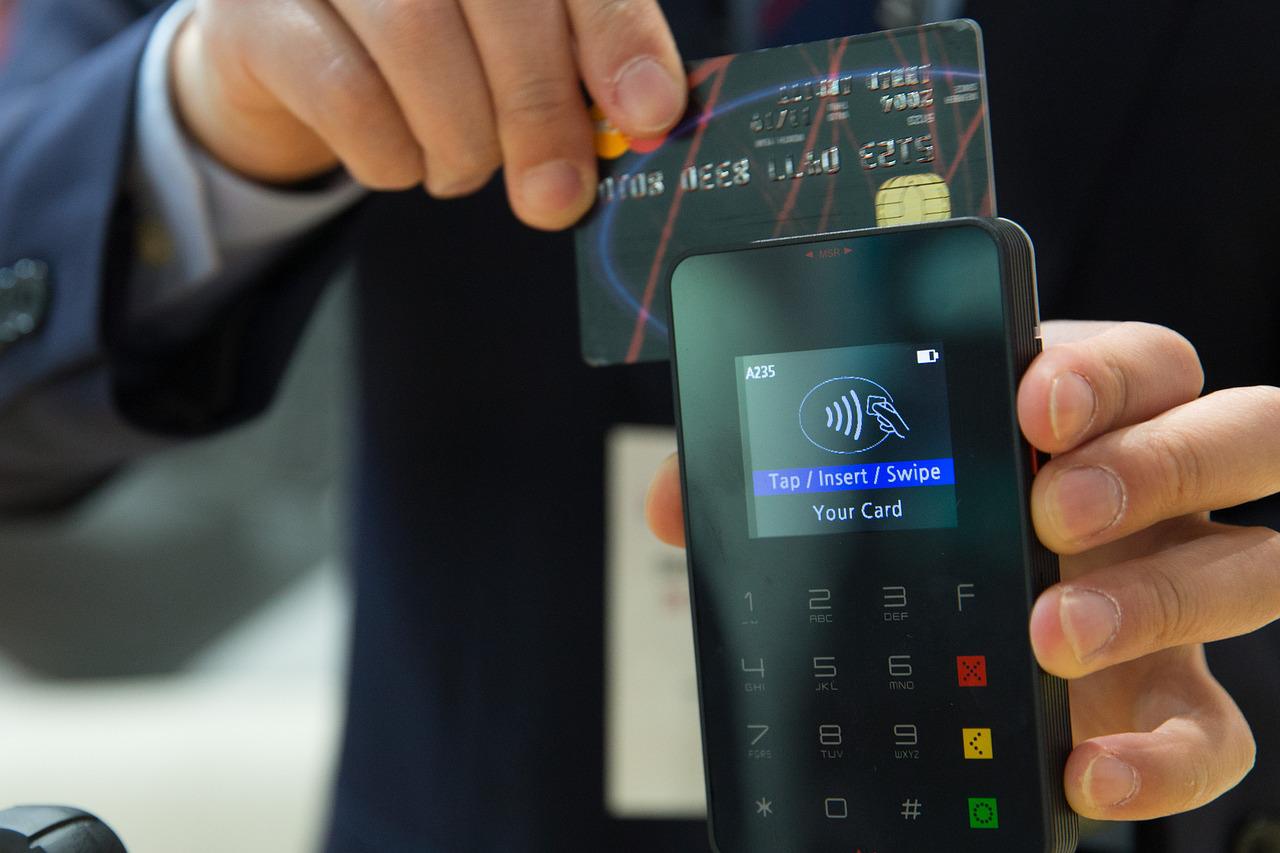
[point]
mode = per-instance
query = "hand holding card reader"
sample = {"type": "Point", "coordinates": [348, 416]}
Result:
{"type": "Point", "coordinates": [861, 556]}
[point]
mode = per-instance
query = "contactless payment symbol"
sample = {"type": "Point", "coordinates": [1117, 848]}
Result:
{"type": "Point", "coordinates": [977, 743]}
{"type": "Point", "coordinates": [971, 670]}
{"type": "Point", "coordinates": [983, 813]}
{"type": "Point", "coordinates": [850, 414]}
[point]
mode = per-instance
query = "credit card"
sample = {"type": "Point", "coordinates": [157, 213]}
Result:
{"type": "Point", "coordinates": [858, 132]}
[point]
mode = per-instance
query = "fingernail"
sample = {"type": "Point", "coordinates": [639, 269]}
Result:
{"type": "Point", "coordinates": [647, 95]}
{"type": "Point", "coordinates": [1071, 405]}
{"type": "Point", "coordinates": [1090, 620]}
{"type": "Point", "coordinates": [1108, 781]}
{"type": "Point", "coordinates": [1084, 501]}
{"type": "Point", "coordinates": [552, 187]}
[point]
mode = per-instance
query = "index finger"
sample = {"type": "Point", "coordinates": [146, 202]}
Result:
{"type": "Point", "coordinates": [1101, 377]}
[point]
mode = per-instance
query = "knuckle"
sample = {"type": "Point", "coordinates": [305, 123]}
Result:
{"type": "Point", "coordinates": [388, 13]}
{"type": "Point", "coordinates": [375, 145]}
{"type": "Point", "coordinates": [1178, 355]}
{"type": "Point", "coordinates": [1172, 611]}
{"type": "Point", "coordinates": [628, 20]}
{"type": "Point", "coordinates": [1185, 360]}
{"type": "Point", "coordinates": [383, 167]}
{"type": "Point", "coordinates": [213, 18]}
{"type": "Point", "coordinates": [1211, 773]}
{"type": "Point", "coordinates": [452, 175]}
{"type": "Point", "coordinates": [384, 176]}
{"type": "Point", "coordinates": [1182, 472]}
{"type": "Point", "coordinates": [538, 102]}
{"type": "Point", "coordinates": [466, 162]}
{"type": "Point", "coordinates": [1191, 359]}
{"type": "Point", "coordinates": [1180, 344]}
{"type": "Point", "coordinates": [1116, 391]}
{"type": "Point", "coordinates": [221, 38]}
{"type": "Point", "coordinates": [377, 171]}
{"type": "Point", "coordinates": [407, 24]}
{"type": "Point", "coordinates": [1125, 375]}
{"type": "Point", "coordinates": [391, 15]}
{"type": "Point", "coordinates": [352, 91]}
{"type": "Point", "coordinates": [216, 11]}
{"type": "Point", "coordinates": [604, 13]}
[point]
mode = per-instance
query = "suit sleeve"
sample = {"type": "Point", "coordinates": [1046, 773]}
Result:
{"type": "Point", "coordinates": [77, 399]}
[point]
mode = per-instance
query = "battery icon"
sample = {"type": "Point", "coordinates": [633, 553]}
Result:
{"type": "Point", "coordinates": [927, 356]}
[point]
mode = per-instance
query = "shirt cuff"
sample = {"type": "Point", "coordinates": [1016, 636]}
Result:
{"type": "Point", "coordinates": [203, 230]}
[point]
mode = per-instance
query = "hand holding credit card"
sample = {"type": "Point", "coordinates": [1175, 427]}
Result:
{"type": "Point", "coordinates": [436, 94]}
{"type": "Point", "coordinates": [882, 129]}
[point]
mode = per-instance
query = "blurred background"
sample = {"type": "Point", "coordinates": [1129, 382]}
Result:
{"type": "Point", "coordinates": [172, 649]}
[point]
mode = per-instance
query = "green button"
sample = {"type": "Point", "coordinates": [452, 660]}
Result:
{"type": "Point", "coordinates": [983, 813]}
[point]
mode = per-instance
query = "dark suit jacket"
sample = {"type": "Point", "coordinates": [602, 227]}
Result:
{"type": "Point", "coordinates": [1132, 139]}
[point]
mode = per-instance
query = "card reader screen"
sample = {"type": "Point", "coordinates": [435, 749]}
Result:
{"type": "Point", "coordinates": [846, 439]}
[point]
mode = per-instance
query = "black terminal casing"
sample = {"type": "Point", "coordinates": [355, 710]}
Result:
{"type": "Point", "coordinates": [865, 678]}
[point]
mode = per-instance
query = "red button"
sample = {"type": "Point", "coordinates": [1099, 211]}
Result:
{"type": "Point", "coordinates": [972, 670]}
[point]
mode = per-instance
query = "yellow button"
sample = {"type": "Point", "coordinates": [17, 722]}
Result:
{"type": "Point", "coordinates": [977, 743]}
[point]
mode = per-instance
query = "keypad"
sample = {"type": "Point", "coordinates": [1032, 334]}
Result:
{"type": "Point", "coordinates": [876, 711]}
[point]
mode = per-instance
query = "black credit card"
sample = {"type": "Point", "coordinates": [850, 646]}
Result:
{"type": "Point", "coordinates": [874, 130]}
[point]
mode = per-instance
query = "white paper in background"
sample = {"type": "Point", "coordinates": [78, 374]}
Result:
{"type": "Point", "coordinates": [653, 745]}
